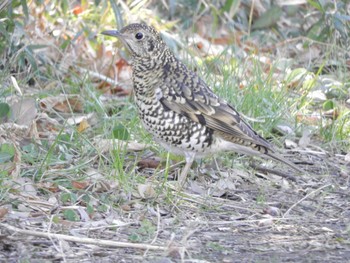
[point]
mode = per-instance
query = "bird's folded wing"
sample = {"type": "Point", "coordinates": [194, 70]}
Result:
{"type": "Point", "coordinates": [203, 106]}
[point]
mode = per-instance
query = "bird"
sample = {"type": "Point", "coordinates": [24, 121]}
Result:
{"type": "Point", "coordinates": [179, 109]}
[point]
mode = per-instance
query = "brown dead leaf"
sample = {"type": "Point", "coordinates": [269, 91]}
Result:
{"type": "Point", "coordinates": [126, 207]}
{"type": "Point", "coordinates": [3, 212]}
{"type": "Point", "coordinates": [104, 87]}
{"type": "Point", "coordinates": [17, 160]}
{"type": "Point", "coordinates": [331, 114]}
{"type": "Point", "coordinates": [225, 40]}
{"type": "Point", "coordinates": [83, 126]}
{"type": "Point", "coordinates": [272, 211]}
{"type": "Point", "coordinates": [149, 163]}
{"type": "Point", "coordinates": [199, 45]}
{"type": "Point", "coordinates": [80, 184]}
{"type": "Point", "coordinates": [62, 103]}
{"type": "Point", "coordinates": [120, 64]}
{"type": "Point", "coordinates": [124, 92]}
{"type": "Point", "coordinates": [311, 119]}
{"type": "Point", "coordinates": [45, 124]}
{"type": "Point", "coordinates": [146, 191]}
{"type": "Point", "coordinates": [48, 186]}
{"type": "Point", "coordinates": [33, 132]}
{"type": "Point", "coordinates": [77, 119]}
{"type": "Point", "coordinates": [77, 10]}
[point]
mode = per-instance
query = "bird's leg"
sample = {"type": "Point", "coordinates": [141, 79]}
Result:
{"type": "Point", "coordinates": [189, 160]}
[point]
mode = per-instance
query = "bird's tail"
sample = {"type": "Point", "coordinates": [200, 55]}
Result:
{"type": "Point", "coordinates": [277, 157]}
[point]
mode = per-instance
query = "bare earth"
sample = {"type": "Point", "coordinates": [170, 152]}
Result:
{"type": "Point", "coordinates": [236, 216]}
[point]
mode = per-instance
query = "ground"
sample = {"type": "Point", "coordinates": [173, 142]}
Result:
{"type": "Point", "coordinates": [238, 216]}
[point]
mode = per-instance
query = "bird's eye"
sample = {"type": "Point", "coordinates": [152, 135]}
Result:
{"type": "Point", "coordinates": [139, 36]}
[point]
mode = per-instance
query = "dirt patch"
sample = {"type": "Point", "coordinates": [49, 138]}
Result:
{"type": "Point", "coordinates": [265, 218]}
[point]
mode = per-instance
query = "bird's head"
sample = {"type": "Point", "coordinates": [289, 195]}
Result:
{"type": "Point", "coordinates": [141, 40]}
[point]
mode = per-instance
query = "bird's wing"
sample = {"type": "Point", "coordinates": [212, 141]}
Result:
{"type": "Point", "coordinates": [196, 100]}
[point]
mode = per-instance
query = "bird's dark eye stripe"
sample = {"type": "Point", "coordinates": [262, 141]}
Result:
{"type": "Point", "coordinates": [139, 36]}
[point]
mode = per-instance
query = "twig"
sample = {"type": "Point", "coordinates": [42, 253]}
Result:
{"type": "Point", "coordinates": [158, 226]}
{"type": "Point", "coordinates": [305, 197]}
{"type": "Point", "coordinates": [158, 229]}
{"type": "Point", "coordinates": [267, 170]}
{"type": "Point", "coordinates": [91, 241]}
{"type": "Point", "coordinates": [97, 75]}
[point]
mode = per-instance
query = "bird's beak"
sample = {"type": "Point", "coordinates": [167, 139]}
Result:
{"type": "Point", "coordinates": [120, 36]}
{"type": "Point", "coordinates": [112, 33]}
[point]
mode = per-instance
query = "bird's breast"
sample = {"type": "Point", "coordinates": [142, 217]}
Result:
{"type": "Point", "coordinates": [174, 131]}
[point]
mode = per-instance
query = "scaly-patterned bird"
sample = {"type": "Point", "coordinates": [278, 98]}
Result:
{"type": "Point", "coordinates": [179, 109]}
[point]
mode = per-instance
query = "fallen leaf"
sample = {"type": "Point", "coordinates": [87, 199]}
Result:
{"type": "Point", "coordinates": [317, 95]}
{"type": "Point", "coordinates": [80, 184]}
{"type": "Point", "coordinates": [197, 188]}
{"type": "Point", "coordinates": [272, 211]}
{"type": "Point", "coordinates": [289, 144]}
{"type": "Point", "coordinates": [284, 129]}
{"type": "Point", "coordinates": [223, 186]}
{"type": "Point", "coordinates": [23, 112]}
{"type": "Point", "coordinates": [310, 119]}
{"type": "Point", "coordinates": [84, 216]}
{"type": "Point", "coordinates": [83, 125]}
{"type": "Point", "coordinates": [48, 186]}
{"type": "Point", "coordinates": [149, 163]}
{"type": "Point", "coordinates": [146, 191]}
{"type": "Point", "coordinates": [295, 77]}
{"type": "Point", "coordinates": [331, 114]}
{"type": "Point", "coordinates": [62, 103]}
{"type": "Point", "coordinates": [126, 207]}
{"type": "Point", "coordinates": [77, 119]}
{"type": "Point", "coordinates": [3, 212]}
{"type": "Point", "coordinates": [77, 10]}
{"type": "Point", "coordinates": [25, 186]}
{"type": "Point", "coordinates": [45, 124]}
{"type": "Point", "coordinates": [266, 222]}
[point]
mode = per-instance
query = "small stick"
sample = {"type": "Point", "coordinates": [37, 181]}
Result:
{"type": "Point", "coordinates": [97, 75]}
{"type": "Point", "coordinates": [91, 241]}
{"type": "Point", "coordinates": [305, 197]}
{"type": "Point", "coordinates": [267, 170]}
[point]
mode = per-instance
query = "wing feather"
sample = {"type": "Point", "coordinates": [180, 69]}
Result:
{"type": "Point", "coordinates": [200, 104]}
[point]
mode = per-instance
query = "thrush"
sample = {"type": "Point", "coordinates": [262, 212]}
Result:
{"type": "Point", "coordinates": [179, 109]}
